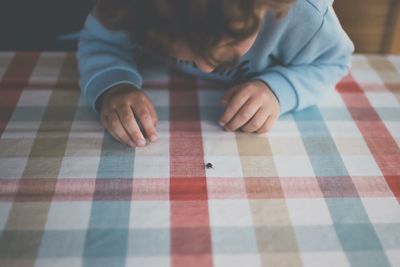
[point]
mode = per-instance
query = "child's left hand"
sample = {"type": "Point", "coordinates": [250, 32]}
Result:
{"type": "Point", "coordinates": [250, 106]}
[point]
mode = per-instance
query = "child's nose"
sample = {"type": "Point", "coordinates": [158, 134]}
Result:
{"type": "Point", "coordinates": [204, 66]}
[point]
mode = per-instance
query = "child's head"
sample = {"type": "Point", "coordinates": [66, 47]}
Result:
{"type": "Point", "coordinates": [208, 32]}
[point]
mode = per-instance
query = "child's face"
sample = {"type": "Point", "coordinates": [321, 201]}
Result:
{"type": "Point", "coordinates": [221, 54]}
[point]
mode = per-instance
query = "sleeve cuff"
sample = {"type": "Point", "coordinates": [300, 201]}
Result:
{"type": "Point", "coordinates": [282, 88]}
{"type": "Point", "coordinates": [105, 80]}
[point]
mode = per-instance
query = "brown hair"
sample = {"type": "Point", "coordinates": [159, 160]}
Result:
{"type": "Point", "coordinates": [199, 24]}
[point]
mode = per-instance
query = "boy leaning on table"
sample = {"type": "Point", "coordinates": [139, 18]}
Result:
{"type": "Point", "coordinates": [276, 56]}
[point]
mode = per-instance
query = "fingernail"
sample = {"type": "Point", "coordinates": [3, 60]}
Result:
{"type": "Point", "coordinates": [141, 142]}
{"type": "Point", "coordinates": [153, 137]}
{"type": "Point", "coordinates": [222, 124]}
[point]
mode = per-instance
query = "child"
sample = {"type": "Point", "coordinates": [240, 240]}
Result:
{"type": "Point", "coordinates": [277, 55]}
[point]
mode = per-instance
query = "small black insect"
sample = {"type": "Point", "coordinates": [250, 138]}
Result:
{"type": "Point", "coordinates": [209, 166]}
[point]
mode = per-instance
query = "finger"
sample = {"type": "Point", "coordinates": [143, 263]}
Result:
{"type": "Point", "coordinates": [234, 105]}
{"type": "Point", "coordinates": [104, 121]}
{"type": "Point", "coordinates": [153, 114]}
{"type": "Point", "coordinates": [267, 126]}
{"type": "Point", "coordinates": [146, 120]}
{"type": "Point", "coordinates": [228, 95]}
{"type": "Point", "coordinates": [243, 115]}
{"type": "Point", "coordinates": [130, 125]}
{"type": "Point", "coordinates": [117, 130]}
{"type": "Point", "coordinates": [256, 122]}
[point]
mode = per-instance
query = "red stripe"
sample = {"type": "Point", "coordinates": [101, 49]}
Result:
{"type": "Point", "coordinates": [190, 230]}
{"type": "Point", "coordinates": [189, 190]}
{"type": "Point", "coordinates": [14, 80]}
{"type": "Point", "coordinates": [346, 86]}
{"type": "Point", "coordinates": [379, 140]}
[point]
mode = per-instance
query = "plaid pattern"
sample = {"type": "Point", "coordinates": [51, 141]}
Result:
{"type": "Point", "coordinates": [321, 189]}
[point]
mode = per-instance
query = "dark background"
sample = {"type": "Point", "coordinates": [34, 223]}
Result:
{"type": "Point", "coordinates": [36, 24]}
{"type": "Point", "coordinates": [373, 25]}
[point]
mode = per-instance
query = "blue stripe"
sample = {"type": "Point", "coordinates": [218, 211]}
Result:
{"type": "Point", "coordinates": [347, 213]}
{"type": "Point", "coordinates": [108, 230]}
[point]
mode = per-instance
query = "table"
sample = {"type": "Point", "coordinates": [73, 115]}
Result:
{"type": "Point", "coordinates": [321, 189]}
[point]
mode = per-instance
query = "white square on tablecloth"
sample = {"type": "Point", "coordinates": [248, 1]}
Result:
{"type": "Point", "coordinates": [293, 166]}
{"type": "Point", "coordinates": [57, 262]}
{"type": "Point", "coordinates": [219, 145]}
{"type": "Point", "coordinates": [362, 71]}
{"type": "Point", "coordinates": [34, 98]}
{"type": "Point", "coordinates": [69, 215]}
{"type": "Point", "coordinates": [223, 167]}
{"type": "Point", "coordinates": [79, 167]}
{"type": "Point", "coordinates": [284, 127]}
{"type": "Point", "coordinates": [89, 129]}
{"type": "Point", "coordinates": [149, 214]}
{"type": "Point", "coordinates": [343, 129]}
{"type": "Point", "coordinates": [308, 211]}
{"type": "Point", "coordinates": [47, 69]}
{"type": "Point", "coordinates": [229, 212]}
{"type": "Point", "coordinates": [151, 261]}
{"type": "Point", "coordinates": [361, 165]}
{"type": "Point", "coordinates": [382, 210]}
{"type": "Point", "coordinates": [382, 99]}
{"type": "Point", "coordinates": [334, 99]}
{"type": "Point", "coordinates": [12, 168]}
{"type": "Point", "coordinates": [151, 167]}
{"type": "Point", "coordinates": [17, 129]}
{"type": "Point", "coordinates": [324, 258]}
{"type": "Point", "coordinates": [287, 146]}
{"type": "Point", "coordinates": [240, 260]}
{"type": "Point", "coordinates": [393, 256]}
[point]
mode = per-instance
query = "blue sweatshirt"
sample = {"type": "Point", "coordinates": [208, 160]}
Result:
{"type": "Point", "coordinates": [300, 57]}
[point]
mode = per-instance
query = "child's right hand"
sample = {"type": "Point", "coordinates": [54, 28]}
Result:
{"type": "Point", "coordinates": [123, 109]}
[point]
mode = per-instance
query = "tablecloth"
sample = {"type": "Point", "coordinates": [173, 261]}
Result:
{"type": "Point", "coordinates": [321, 189]}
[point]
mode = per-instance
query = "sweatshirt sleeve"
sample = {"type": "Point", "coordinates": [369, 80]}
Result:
{"type": "Point", "coordinates": [314, 70]}
{"type": "Point", "coordinates": [105, 59]}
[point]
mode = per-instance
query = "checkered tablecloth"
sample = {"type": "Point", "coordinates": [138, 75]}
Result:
{"type": "Point", "coordinates": [321, 189]}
